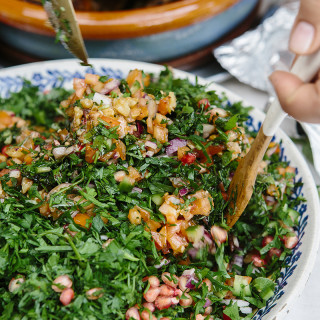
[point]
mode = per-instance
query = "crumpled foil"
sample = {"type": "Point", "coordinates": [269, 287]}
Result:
{"type": "Point", "coordinates": [253, 56]}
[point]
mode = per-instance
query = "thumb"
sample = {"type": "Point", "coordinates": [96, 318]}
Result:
{"type": "Point", "coordinates": [305, 34]}
{"type": "Point", "coordinates": [300, 100]}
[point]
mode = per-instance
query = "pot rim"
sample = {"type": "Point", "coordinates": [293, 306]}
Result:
{"type": "Point", "coordinates": [116, 24]}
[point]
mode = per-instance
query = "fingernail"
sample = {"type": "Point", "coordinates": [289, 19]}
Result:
{"type": "Point", "coordinates": [302, 37]}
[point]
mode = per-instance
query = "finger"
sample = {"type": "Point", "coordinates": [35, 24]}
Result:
{"type": "Point", "coordinates": [300, 100]}
{"type": "Point", "coordinates": [305, 34]}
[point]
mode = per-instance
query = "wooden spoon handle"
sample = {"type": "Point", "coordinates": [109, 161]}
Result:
{"type": "Point", "coordinates": [242, 184]}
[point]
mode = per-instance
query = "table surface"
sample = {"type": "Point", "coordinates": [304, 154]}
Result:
{"type": "Point", "coordinates": [307, 305]}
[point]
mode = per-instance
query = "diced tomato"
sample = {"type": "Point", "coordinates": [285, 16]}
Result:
{"type": "Point", "coordinates": [164, 106]}
{"type": "Point", "coordinates": [90, 154]}
{"type": "Point", "coordinates": [91, 78]}
{"type": "Point", "coordinates": [176, 242]}
{"type": "Point", "coordinates": [212, 150]}
{"type": "Point", "coordinates": [153, 225]}
{"type": "Point", "coordinates": [204, 102]}
{"type": "Point", "coordinates": [81, 146]}
{"type": "Point", "coordinates": [113, 122]}
{"type": "Point", "coordinates": [28, 159]}
{"type": "Point", "coordinates": [79, 86]}
{"type": "Point", "coordinates": [188, 158]}
{"type": "Point", "coordinates": [221, 187]}
{"type": "Point", "coordinates": [5, 119]}
{"type": "Point", "coordinates": [4, 149]}
{"type": "Point", "coordinates": [257, 260]}
{"type": "Point", "coordinates": [81, 219]}
{"type": "Point", "coordinates": [266, 240]}
{"type": "Point", "coordinates": [133, 76]}
{"type": "Point", "coordinates": [255, 257]}
{"type": "Point", "coordinates": [224, 196]}
{"type": "Point", "coordinates": [159, 238]}
{"type": "Point", "coordinates": [274, 252]}
{"type": "Point", "coordinates": [121, 149]}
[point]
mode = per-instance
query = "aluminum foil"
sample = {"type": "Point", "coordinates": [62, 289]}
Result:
{"type": "Point", "coordinates": [253, 56]}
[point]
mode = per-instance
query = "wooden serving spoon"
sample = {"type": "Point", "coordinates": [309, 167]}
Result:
{"type": "Point", "coordinates": [242, 184]}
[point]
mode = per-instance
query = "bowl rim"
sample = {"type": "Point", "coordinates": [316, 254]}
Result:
{"type": "Point", "coordinates": [31, 17]}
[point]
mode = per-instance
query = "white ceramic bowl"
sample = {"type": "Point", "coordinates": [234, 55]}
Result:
{"type": "Point", "coordinates": [300, 264]}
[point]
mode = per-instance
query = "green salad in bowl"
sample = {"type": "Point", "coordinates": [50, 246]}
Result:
{"type": "Point", "coordinates": [113, 198]}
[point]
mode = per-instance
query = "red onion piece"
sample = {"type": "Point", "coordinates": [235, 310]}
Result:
{"type": "Point", "coordinates": [162, 263]}
{"type": "Point", "coordinates": [190, 285]}
{"type": "Point", "coordinates": [109, 86]}
{"type": "Point", "coordinates": [237, 260]}
{"type": "Point", "coordinates": [183, 192]}
{"type": "Point", "coordinates": [193, 252]}
{"type": "Point", "coordinates": [175, 144]}
{"type": "Point", "coordinates": [73, 214]}
{"type": "Point", "coordinates": [151, 145]}
{"type": "Point", "coordinates": [191, 278]}
{"type": "Point", "coordinates": [208, 303]}
{"type": "Point", "coordinates": [135, 189]}
{"type": "Point", "coordinates": [139, 127]}
{"type": "Point", "coordinates": [139, 130]}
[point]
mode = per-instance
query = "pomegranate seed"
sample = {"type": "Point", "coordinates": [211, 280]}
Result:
{"type": "Point", "coordinates": [15, 283]}
{"type": "Point", "coordinates": [166, 291]}
{"type": "Point", "coordinates": [133, 313]}
{"type": "Point", "coordinates": [174, 300]}
{"type": "Point", "coordinates": [187, 301]}
{"type": "Point", "coordinates": [94, 293]}
{"type": "Point", "coordinates": [208, 283]}
{"type": "Point", "coordinates": [152, 294]}
{"type": "Point", "coordinates": [61, 283]}
{"type": "Point", "coordinates": [255, 257]}
{"type": "Point", "coordinates": [182, 283]}
{"type": "Point", "coordinates": [154, 281]}
{"type": "Point", "coordinates": [204, 102]}
{"type": "Point", "coordinates": [274, 252]}
{"type": "Point", "coordinates": [166, 276]}
{"type": "Point", "coordinates": [145, 315]}
{"type": "Point", "coordinates": [207, 310]}
{"type": "Point", "coordinates": [266, 240]}
{"type": "Point", "coordinates": [150, 306]}
{"type": "Point", "coordinates": [219, 234]}
{"type": "Point", "coordinates": [290, 241]}
{"type": "Point", "coordinates": [66, 296]}
{"type": "Point", "coordinates": [258, 261]}
{"type": "Point", "coordinates": [163, 302]}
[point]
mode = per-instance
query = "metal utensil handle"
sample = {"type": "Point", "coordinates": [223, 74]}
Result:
{"type": "Point", "coordinates": [305, 67]}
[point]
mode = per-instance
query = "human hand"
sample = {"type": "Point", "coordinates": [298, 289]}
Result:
{"type": "Point", "coordinates": [301, 100]}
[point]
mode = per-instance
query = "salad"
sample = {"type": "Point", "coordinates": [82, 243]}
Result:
{"type": "Point", "coordinates": [113, 200]}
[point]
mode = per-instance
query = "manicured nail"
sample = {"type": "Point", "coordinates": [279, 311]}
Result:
{"type": "Point", "coordinates": [302, 37]}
